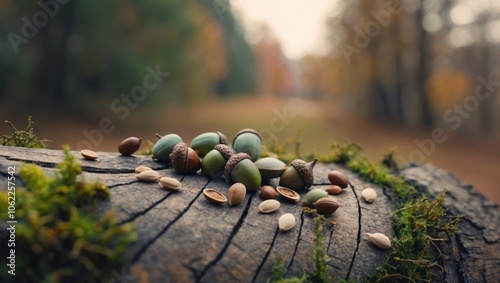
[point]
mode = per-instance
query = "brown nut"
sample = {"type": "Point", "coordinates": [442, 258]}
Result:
{"type": "Point", "coordinates": [338, 178]}
{"type": "Point", "coordinates": [129, 145]}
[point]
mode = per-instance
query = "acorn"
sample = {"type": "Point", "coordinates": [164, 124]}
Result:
{"type": "Point", "coordinates": [338, 178]}
{"type": "Point", "coordinates": [248, 141]}
{"type": "Point", "coordinates": [313, 195]}
{"type": "Point", "coordinates": [268, 192]}
{"type": "Point", "coordinates": [326, 205]}
{"type": "Point", "coordinates": [270, 167]}
{"type": "Point", "coordinates": [240, 168]}
{"type": "Point", "coordinates": [184, 159]}
{"type": "Point", "coordinates": [299, 175]}
{"type": "Point", "coordinates": [214, 162]}
{"type": "Point", "coordinates": [164, 146]}
{"type": "Point", "coordinates": [129, 145]}
{"type": "Point", "coordinates": [204, 143]}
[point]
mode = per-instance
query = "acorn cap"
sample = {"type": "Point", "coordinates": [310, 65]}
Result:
{"type": "Point", "coordinates": [225, 150]}
{"type": "Point", "coordinates": [222, 138]}
{"type": "Point", "coordinates": [251, 131]}
{"type": "Point", "coordinates": [179, 156]}
{"type": "Point", "coordinates": [235, 159]}
{"type": "Point", "coordinates": [305, 170]}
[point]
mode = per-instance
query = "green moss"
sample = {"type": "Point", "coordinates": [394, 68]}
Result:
{"type": "Point", "coordinates": [58, 236]}
{"type": "Point", "coordinates": [23, 138]}
{"type": "Point", "coordinates": [320, 274]}
{"type": "Point", "coordinates": [419, 222]}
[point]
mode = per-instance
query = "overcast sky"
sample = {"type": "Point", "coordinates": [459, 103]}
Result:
{"type": "Point", "coordinates": [298, 24]}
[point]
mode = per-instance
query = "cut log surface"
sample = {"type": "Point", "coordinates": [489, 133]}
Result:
{"type": "Point", "coordinates": [184, 238]}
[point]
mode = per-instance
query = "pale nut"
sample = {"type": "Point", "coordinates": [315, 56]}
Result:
{"type": "Point", "coordinates": [269, 206]}
{"type": "Point", "coordinates": [288, 194]}
{"type": "Point", "coordinates": [148, 176]}
{"type": "Point", "coordinates": [142, 169]}
{"type": "Point", "coordinates": [236, 193]}
{"type": "Point", "coordinates": [380, 240]}
{"type": "Point", "coordinates": [369, 195]}
{"type": "Point", "coordinates": [214, 196]}
{"type": "Point", "coordinates": [170, 183]}
{"type": "Point", "coordinates": [286, 222]}
{"type": "Point", "coordinates": [89, 154]}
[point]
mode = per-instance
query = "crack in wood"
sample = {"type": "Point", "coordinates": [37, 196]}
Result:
{"type": "Point", "coordinates": [135, 215]}
{"type": "Point", "coordinates": [265, 256]}
{"type": "Point", "coordinates": [235, 231]}
{"type": "Point", "coordinates": [296, 243]}
{"type": "Point", "coordinates": [358, 240]}
{"type": "Point", "coordinates": [144, 248]}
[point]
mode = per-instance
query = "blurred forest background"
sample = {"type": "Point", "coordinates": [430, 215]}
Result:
{"type": "Point", "coordinates": [389, 74]}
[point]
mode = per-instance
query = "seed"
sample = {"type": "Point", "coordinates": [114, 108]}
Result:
{"type": "Point", "coordinates": [334, 190]}
{"type": "Point", "coordinates": [380, 240]}
{"type": "Point", "coordinates": [142, 169]}
{"type": "Point", "coordinates": [237, 193]}
{"type": "Point", "coordinates": [148, 176]}
{"type": "Point", "coordinates": [170, 183]}
{"type": "Point", "coordinates": [89, 154]}
{"type": "Point", "coordinates": [369, 195]}
{"type": "Point", "coordinates": [214, 196]}
{"type": "Point", "coordinates": [338, 178]}
{"type": "Point", "coordinates": [268, 192]}
{"type": "Point", "coordinates": [268, 206]}
{"type": "Point", "coordinates": [286, 222]}
{"type": "Point", "coordinates": [326, 205]}
{"type": "Point", "coordinates": [313, 195]}
{"type": "Point", "coordinates": [288, 194]}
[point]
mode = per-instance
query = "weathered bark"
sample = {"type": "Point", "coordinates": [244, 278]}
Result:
{"type": "Point", "coordinates": [183, 238]}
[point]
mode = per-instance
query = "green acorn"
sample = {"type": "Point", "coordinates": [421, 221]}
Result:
{"type": "Point", "coordinates": [204, 143]}
{"type": "Point", "coordinates": [240, 168]}
{"type": "Point", "coordinates": [214, 162]}
{"type": "Point", "coordinates": [248, 141]}
{"type": "Point", "coordinates": [164, 146]}
{"type": "Point", "coordinates": [270, 167]}
{"type": "Point", "coordinates": [299, 175]}
{"type": "Point", "coordinates": [313, 195]}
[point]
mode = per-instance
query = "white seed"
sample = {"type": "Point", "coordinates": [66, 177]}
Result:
{"type": "Point", "coordinates": [380, 240]}
{"type": "Point", "coordinates": [268, 206]}
{"type": "Point", "coordinates": [170, 183]}
{"type": "Point", "coordinates": [286, 222]}
{"type": "Point", "coordinates": [369, 195]}
{"type": "Point", "coordinates": [148, 176]}
{"type": "Point", "coordinates": [237, 193]}
{"type": "Point", "coordinates": [142, 169]}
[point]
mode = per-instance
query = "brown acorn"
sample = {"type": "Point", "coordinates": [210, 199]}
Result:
{"type": "Point", "coordinates": [326, 205]}
{"type": "Point", "coordinates": [338, 178]}
{"type": "Point", "coordinates": [268, 192]}
{"type": "Point", "coordinates": [129, 145]}
{"type": "Point", "coordinates": [299, 175]}
{"type": "Point", "coordinates": [184, 159]}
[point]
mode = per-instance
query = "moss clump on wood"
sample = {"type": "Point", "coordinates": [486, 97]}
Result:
{"type": "Point", "coordinates": [23, 138]}
{"type": "Point", "coordinates": [320, 274]}
{"type": "Point", "coordinates": [58, 236]}
{"type": "Point", "coordinates": [419, 222]}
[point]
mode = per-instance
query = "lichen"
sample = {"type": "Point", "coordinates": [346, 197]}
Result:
{"type": "Point", "coordinates": [59, 237]}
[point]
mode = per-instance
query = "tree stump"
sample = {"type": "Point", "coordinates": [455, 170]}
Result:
{"type": "Point", "coordinates": [184, 238]}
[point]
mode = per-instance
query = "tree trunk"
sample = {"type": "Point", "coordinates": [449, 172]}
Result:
{"type": "Point", "coordinates": [423, 71]}
{"type": "Point", "coordinates": [184, 238]}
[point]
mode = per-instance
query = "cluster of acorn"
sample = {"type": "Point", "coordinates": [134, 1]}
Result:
{"type": "Point", "coordinates": [239, 163]}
